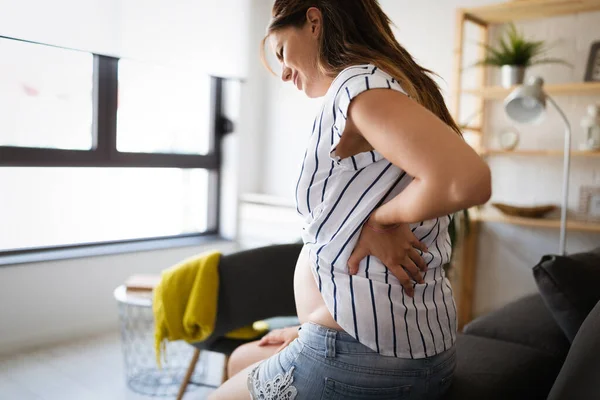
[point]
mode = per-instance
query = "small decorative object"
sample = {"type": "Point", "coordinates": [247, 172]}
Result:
{"type": "Point", "coordinates": [526, 212]}
{"type": "Point", "coordinates": [589, 203]}
{"type": "Point", "coordinates": [591, 126]}
{"type": "Point", "coordinates": [508, 139]}
{"type": "Point", "coordinates": [592, 72]}
{"type": "Point", "coordinates": [514, 54]}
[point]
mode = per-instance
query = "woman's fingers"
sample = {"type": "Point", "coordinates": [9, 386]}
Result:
{"type": "Point", "coordinates": [415, 256]}
{"type": "Point", "coordinates": [418, 259]}
{"type": "Point", "coordinates": [413, 270]}
{"type": "Point", "coordinates": [270, 341]}
{"type": "Point", "coordinates": [417, 244]}
{"type": "Point", "coordinates": [271, 338]}
{"type": "Point", "coordinates": [355, 258]}
{"type": "Point", "coordinates": [399, 272]}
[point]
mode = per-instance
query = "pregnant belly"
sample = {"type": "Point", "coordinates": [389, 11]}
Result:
{"type": "Point", "coordinates": [309, 303]}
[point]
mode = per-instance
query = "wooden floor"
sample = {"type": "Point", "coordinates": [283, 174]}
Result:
{"type": "Point", "coordinates": [89, 369]}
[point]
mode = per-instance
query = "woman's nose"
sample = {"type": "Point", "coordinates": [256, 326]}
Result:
{"type": "Point", "coordinates": [286, 74]}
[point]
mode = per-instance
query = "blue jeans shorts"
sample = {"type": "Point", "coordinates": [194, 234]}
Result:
{"type": "Point", "coordinates": [323, 363]}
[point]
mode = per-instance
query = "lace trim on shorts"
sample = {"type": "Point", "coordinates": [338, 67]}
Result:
{"type": "Point", "coordinates": [279, 388]}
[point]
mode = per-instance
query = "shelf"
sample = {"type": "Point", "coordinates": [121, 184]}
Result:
{"type": "Point", "coordinates": [538, 153]}
{"type": "Point", "coordinates": [562, 89]}
{"type": "Point", "coordinates": [489, 214]}
{"type": "Point", "coordinates": [528, 9]}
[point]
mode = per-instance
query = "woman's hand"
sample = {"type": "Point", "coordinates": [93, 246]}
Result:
{"type": "Point", "coordinates": [396, 247]}
{"type": "Point", "coordinates": [283, 337]}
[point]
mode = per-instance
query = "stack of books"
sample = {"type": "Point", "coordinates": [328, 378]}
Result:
{"type": "Point", "coordinates": [142, 283]}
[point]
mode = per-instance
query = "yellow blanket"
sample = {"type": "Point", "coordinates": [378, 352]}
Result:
{"type": "Point", "coordinates": [185, 303]}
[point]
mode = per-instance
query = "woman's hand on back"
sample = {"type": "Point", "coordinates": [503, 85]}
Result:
{"type": "Point", "coordinates": [282, 337]}
{"type": "Point", "coordinates": [396, 247]}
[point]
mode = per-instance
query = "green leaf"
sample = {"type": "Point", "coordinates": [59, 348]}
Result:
{"type": "Point", "coordinates": [551, 61]}
{"type": "Point", "coordinates": [514, 49]}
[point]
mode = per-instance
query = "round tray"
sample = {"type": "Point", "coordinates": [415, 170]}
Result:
{"type": "Point", "coordinates": [526, 212]}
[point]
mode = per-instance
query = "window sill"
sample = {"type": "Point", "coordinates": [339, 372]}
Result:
{"type": "Point", "coordinates": [105, 249]}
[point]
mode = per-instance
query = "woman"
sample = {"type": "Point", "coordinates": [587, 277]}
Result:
{"type": "Point", "coordinates": [384, 170]}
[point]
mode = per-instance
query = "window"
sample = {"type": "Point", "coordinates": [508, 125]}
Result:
{"type": "Point", "coordinates": [94, 149]}
{"type": "Point", "coordinates": [66, 206]}
{"type": "Point", "coordinates": [168, 123]}
{"type": "Point", "coordinates": [45, 96]}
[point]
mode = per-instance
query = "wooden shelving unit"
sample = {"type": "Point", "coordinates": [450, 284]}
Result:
{"type": "Point", "coordinates": [537, 153]}
{"type": "Point", "coordinates": [488, 214]}
{"type": "Point", "coordinates": [563, 89]}
{"type": "Point", "coordinates": [484, 17]}
{"type": "Point", "coordinates": [528, 9]}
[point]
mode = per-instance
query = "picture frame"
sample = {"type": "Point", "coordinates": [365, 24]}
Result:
{"type": "Point", "coordinates": [589, 203]}
{"type": "Point", "coordinates": [592, 72]}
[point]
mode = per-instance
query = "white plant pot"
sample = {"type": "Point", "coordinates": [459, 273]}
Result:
{"type": "Point", "coordinates": [512, 75]}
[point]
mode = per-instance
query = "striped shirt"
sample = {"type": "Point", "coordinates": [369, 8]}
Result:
{"type": "Point", "coordinates": [335, 197]}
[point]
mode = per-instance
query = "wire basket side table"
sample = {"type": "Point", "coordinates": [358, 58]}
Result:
{"type": "Point", "coordinates": [137, 339]}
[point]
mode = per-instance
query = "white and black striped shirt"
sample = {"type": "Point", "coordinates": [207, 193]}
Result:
{"type": "Point", "coordinates": [336, 196]}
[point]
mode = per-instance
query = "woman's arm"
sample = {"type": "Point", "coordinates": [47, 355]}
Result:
{"type": "Point", "coordinates": [449, 175]}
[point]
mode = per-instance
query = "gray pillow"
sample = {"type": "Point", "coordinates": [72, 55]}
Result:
{"type": "Point", "coordinates": [569, 287]}
{"type": "Point", "coordinates": [580, 374]}
{"type": "Point", "coordinates": [490, 369]}
{"type": "Point", "coordinates": [525, 321]}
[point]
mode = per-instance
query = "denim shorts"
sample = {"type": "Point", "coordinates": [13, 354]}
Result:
{"type": "Point", "coordinates": [323, 363]}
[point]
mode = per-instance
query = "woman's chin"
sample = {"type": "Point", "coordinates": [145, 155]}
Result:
{"type": "Point", "coordinates": [312, 92]}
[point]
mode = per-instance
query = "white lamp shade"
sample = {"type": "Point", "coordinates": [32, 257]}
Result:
{"type": "Point", "coordinates": [527, 103]}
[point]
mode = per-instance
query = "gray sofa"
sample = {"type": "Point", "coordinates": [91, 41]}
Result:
{"type": "Point", "coordinates": [543, 346]}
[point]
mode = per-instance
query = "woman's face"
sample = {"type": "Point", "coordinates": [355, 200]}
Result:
{"type": "Point", "coordinates": [297, 49]}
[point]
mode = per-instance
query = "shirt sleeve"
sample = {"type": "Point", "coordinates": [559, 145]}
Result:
{"type": "Point", "coordinates": [354, 81]}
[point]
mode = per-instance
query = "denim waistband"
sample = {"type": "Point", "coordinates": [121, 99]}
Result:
{"type": "Point", "coordinates": [330, 342]}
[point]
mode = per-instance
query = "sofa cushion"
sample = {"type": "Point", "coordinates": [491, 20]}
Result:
{"type": "Point", "coordinates": [497, 370]}
{"type": "Point", "coordinates": [526, 321]}
{"type": "Point", "coordinates": [569, 287]}
{"type": "Point", "coordinates": [580, 374]}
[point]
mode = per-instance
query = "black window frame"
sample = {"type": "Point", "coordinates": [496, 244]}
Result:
{"type": "Point", "coordinates": [104, 154]}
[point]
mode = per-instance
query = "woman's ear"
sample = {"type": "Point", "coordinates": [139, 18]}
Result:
{"type": "Point", "coordinates": [314, 18]}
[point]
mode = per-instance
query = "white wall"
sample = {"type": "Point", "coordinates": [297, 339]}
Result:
{"type": "Point", "coordinates": [212, 35]}
{"type": "Point", "coordinates": [253, 104]}
{"type": "Point", "coordinates": [49, 302]}
{"type": "Point", "coordinates": [427, 30]}
{"type": "Point", "coordinates": [91, 25]}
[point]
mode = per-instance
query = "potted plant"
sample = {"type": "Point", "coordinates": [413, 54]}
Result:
{"type": "Point", "coordinates": [514, 53]}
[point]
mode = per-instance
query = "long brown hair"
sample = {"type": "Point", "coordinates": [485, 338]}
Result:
{"type": "Point", "coordinates": [359, 32]}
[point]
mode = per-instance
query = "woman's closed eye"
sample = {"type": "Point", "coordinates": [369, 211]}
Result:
{"type": "Point", "coordinates": [280, 54]}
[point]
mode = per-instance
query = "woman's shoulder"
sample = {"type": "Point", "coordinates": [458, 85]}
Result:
{"type": "Point", "coordinates": [354, 73]}
{"type": "Point", "coordinates": [355, 79]}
